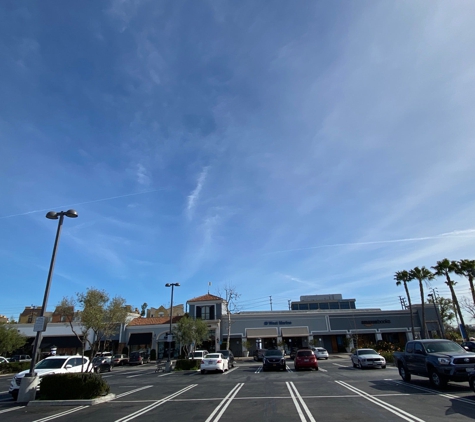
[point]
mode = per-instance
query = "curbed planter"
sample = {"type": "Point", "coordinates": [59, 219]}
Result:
{"type": "Point", "coordinates": [86, 402]}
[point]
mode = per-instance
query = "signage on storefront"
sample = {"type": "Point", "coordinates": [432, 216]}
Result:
{"type": "Point", "coordinates": [277, 322]}
{"type": "Point", "coordinates": [376, 321]}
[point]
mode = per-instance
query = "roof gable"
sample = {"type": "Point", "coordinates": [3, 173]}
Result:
{"type": "Point", "coordinates": [206, 298]}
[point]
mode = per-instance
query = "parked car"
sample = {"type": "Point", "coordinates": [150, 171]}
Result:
{"type": "Point", "coordinates": [103, 354]}
{"type": "Point", "coordinates": [20, 358]}
{"type": "Point", "coordinates": [214, 362]}
{"type": "Point", "coordinates": [258, 354]}
{"type": "Point", "coordinates": [198, 354]}
{"type": "Point", "coordinates": [438, 359]}
{"type": "Point", "coordinates": [320, 352]}
{"type": "Point", "coordinates": [51, 365]}
{"type": "Point", "coordinates": [3, 360]}
{"type": "Point", "coordinates": [367, 358]}
{"type": "Point", "coordinates": [139, 358]}
{"type": "Point", "coordinates": [229, 356]}
{"type": "Point", "coordinates": [469, 345]}
{"type": "Point", "coordinates": [102, 364]}
{"type": "Point", "coordinates": [274, 360]}
{"type": "Point", "coordinates": [120, 360]}
{"type": "Point", "coordinates": [305, 358]}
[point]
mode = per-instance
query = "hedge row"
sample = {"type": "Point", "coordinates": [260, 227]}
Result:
{"type": "Point", "coordinates": [73, 386]}
{"type": "Point", "coordinates": [187, 364]}
{"type": "Point", "coordinates": [13, 367]}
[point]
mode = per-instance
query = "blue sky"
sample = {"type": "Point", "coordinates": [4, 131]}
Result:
{"type": "Point", "coordinates": [285, 148]}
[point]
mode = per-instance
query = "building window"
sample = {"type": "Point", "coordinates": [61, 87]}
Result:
{"type": "Point", "coordinates": [324, 305]}
{"type": "Point", "coordinates": [303, 306]}
{"type": "Point", "coordinates": [205, 312]}
{"type": "Point", "coordinates": [334, 305]}
{"type": "Point", "coordinates": [344, 305]}
{"type": "Point", "coordinates": [313, 305]}
{"type": "Point", "coordinates": [30, 319]}
{"type": "Point", "coordinates": [295, 307]}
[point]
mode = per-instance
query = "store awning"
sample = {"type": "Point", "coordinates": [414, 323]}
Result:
{"type": "Point", "coordinates": [295, 332]}
{"type": "Point", "coordinates": [138, 339]}
{"type": "Point", "coordinates": [261, 332]}
{"type": "Point", "coordinates": [61, 342]}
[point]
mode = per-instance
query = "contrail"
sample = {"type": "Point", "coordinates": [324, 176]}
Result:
{"type": "Point", "coordinates": [82, 203]}
{"type": "Point", "coordinates": [455, 233]}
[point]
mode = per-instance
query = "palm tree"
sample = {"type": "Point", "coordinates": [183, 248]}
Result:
{"type": "Point", "coordinates": [466, 268]}
{"type": "Point", "coordinates": [403, 277]}
{"type": "Point", "coordinates": [443, 269]}
{"type": "Point", "coordinates": [422, 275]}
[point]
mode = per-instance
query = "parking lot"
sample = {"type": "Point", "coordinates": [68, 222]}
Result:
{"type": "Point", "coordinates": [337, 392]}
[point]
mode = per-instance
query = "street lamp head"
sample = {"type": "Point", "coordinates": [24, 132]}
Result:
{"type": "Point", "coordinates": [177, 284]}
{"type": "Point", "coordinates": [71, 213]}
{"type": "Point", "coordinates": [172, 284]}
{"type": "Point", "coordinates": [168, 285]}
{"type": "Point", "coordinates": [52, 215]}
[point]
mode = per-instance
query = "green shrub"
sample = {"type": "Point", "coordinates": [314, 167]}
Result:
{"type": "Point", "coordinates": [13, 367]}
{"type": "Point", "coordinates": [187, 364]}
{"type": "Point", "coordinates": [153, 354]}
{"type": "Point", "coordinates": [387, 355]}
{"type": "Point", "coordinates": [73, 386]}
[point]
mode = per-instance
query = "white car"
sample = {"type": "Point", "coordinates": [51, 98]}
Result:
{"type": "Point", "coordinates": [320, 352]}
{"type": "Point", "coordinates": [367, 358]}
{"type": "Point", "coordinates": [214, 362]}
{"type": "Point", "coordinates": [198, 354]}
{"type": "Point", "coordinates": [51, 365]}
{"type": "Point", "coordinates": [3, 360]}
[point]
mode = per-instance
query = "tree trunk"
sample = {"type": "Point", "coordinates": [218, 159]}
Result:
{"type": "Point", "coordinates": [229, 330]}
{"type": "Point", "coordinates": [449, 283]}
{"type": "Point", "coordinates": [423, 311]}
{"type": "Point", "coordinates": [410, 310]}
{"type": "Point", "coordinates": [470, 280]}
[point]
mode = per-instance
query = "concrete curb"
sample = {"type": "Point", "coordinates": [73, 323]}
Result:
{"type": "Point", "coordinates": [88, 402]}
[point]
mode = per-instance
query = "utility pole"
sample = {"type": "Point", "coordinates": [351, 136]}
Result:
{"type": "Point", "coordinates": [270, 298]}
{"type": "Point", "coordinates": [289, 305]}
{"type": "Point", "coordinates": [435, 296]}
{"type": "Point", "coordinates": [401, 299]}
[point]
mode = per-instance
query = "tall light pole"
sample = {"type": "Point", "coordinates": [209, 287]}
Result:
{"type": "Point", "coordinates": [433, 296]}
{"type": "Point", "coordinates": [168, 365]}
{"type": "Point", "coordinates": [28, 387]}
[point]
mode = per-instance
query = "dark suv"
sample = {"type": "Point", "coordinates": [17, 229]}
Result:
{"type": "Point", "coordinates": [259, 354]}
{"type": "Point", "coordinates": [229, 356]}
{"type": "Point", "coordinates": [139, 358]}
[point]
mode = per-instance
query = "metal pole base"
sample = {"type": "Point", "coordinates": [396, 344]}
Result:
{"type": "Point", "coordinates": [168, 366]}
{"type": "Point", "coordinates": [28, 386]}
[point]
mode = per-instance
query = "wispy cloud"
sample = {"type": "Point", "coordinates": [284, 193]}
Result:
{"type": "Point", "coordinates": [455, 233]}
{"type": "Point", "coordinates": [142, 175]}
{"type": "Point", "coordinates": [194, 196]}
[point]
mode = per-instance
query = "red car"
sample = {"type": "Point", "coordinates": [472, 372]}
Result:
{"type": "Point", "coordinates": [305, 358]}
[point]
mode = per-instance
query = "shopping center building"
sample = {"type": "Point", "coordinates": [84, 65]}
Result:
{"type": "Point", "coordinates": [329, 321]}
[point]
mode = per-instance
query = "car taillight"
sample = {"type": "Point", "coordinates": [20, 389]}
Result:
{"type": "Point", "coordinates": [219, 360]}
{"type": "Point", "coordinates": [202, 361]}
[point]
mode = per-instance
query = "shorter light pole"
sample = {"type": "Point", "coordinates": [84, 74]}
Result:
{"type": "Point", "coordinates": [169, 364]}
{"type": "Point", "coordinates": [441, 325]}
{"type": "Point", "coordinates": [28, 386]}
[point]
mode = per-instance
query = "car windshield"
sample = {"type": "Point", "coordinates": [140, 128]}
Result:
{"type": "Point", "coordinates": [367, 352]}
{"type": "Point", "coordinates": [50, 363]}
{"type": "Point", "coordinates": [213, 356]}
{"type": "Point", "coordinates": [443, 346]}
{"type": "Point", "coordinates": [273, 353]}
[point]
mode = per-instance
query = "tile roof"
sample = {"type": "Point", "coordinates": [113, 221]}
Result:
{"type": "Point", "coordinates": [205, 298]}
{"type": "Point", "coordinates": [154, 321]}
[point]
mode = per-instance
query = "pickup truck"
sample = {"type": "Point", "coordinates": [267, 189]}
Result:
{"type": "Point", "coordinates": [439, 360]}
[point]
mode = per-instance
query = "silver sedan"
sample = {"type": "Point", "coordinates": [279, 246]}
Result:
{"type": "Point", "coordinates": [367, 358]}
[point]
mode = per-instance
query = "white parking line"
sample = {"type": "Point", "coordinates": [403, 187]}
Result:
{"type": "Point", "coordinates": [222, 406]}
{"type": "Point", "coordinates": [155, 405]}
{"type": "Point", "coordinates": [118, 396]}
{"type": "Point", "coordinates": [10, 410]}
{"type": "Point", "coordinates": [389, 407]}
{"type": "Point", "coordinates": [299, 403]}
{"type": "Point", "coordinates": [229, 370]}
{"type": "Point", "coordinates": [58, 415]}
{"type": "Point", "coordinates": [338, 364]}
{"type": "Point", "coordinates": [438, 393]}
{"type": "Point", "coordinates": [323, 370]}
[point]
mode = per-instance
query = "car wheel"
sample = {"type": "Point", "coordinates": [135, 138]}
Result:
{"type": "Point", "coordinates": [383, 367]}
{"type": "Point", "coordinates": [360, 365]}
{"type": "Point", "coordinates": [110, 368]}
{"type": "Point", "coordinates": [437, 380]}
{"type": "Point", "coordinates": [203, 371]}
{"type": "Point", "coordinates": [405, 375]}
{"type": "Point", "coordinates": [471, 381]}
{"type": "Point", "coordinates": [354, 364]}
{"type": "Point", "coordinates": [316, 368]}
